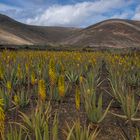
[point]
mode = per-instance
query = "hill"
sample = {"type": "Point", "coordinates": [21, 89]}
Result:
{"type": "Point", "coordinates": [13, 32]}
{"type": "Point", "coordinates": [114, 33]}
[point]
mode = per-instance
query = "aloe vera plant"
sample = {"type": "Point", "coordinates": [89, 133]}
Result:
{"type": "Point", "coordinates": [23, 98]}
{"type": "Point", "coordinates": [78, 132]}
{"type": "Point", "coordinates": [93, 105]}
{"type": "Point", "coordinates": [117, 87]}
{"type": "Point", "coordinates": [37, 125]}
{"type": "Point", "coordinates": [72, 76]}
{"type": "Point", "coordinates": [44, 134]}
{"type": "Point", "coordinates": [6, 98]}
{"type": "Point", "coordinates": [129, 106]}
{"type": "Point", "coordinates": [37, 121]}
{"type": "Point", "coordinates": [132, 77]}
{"type": "Point", "coordinates": [15, 134]}
{"type": "Point", "coordinates": [137, 134]}
{"type": "Point", "coordinates": [94, 111]}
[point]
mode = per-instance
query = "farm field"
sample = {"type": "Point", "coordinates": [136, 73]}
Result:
{"type": "Point", "coordinates": [50, 95]}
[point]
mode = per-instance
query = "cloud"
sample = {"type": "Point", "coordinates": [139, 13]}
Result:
{"type": "Point", "coordinates": [137, 13]}
{"type": "Point", "coordinates": [4, 7]}
{"type": "Point", "coordinates": [9, 10]}
{"type": "Point", "coordinates": [78, 14]}
{"type": "Point", "coordinates": [19, 13]}
{"type": "Point", "coordinates": [123, 15]}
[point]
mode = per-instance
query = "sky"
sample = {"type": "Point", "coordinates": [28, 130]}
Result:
{"type": "Point", "coordinates": [69, 13]}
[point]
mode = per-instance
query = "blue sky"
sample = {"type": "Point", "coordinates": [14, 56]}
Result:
{"type": "Point", "coordinates": [73, 13]}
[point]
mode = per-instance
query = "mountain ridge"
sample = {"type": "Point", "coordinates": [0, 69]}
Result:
{"type": "Point", "coordinates": [116, 33]}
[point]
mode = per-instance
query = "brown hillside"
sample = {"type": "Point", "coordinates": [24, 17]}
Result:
{"type": "Point", "coordinates": [114, 33]}
{"type": "Point", "coordinates": [32, 34]}
{"type": "Point", "coordinates": [110, 33]}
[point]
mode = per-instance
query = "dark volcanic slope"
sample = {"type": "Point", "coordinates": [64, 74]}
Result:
{"type": "Point", "coordinates": [13, 32]}
{"type": "Point", "coordinates": [110, 33]}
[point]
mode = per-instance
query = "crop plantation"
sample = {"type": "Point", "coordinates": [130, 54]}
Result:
{"type": "Point", "coordinates": [50, 95]}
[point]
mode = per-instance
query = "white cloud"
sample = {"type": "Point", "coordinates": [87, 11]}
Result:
{"type": "Point", "coordinates": [11, 11]}
{"type": "Point", "coordinates": [123, 15]}
{"type": "Point", "coordinates": [4, 7]}
{"type": "Point", "coordinates": [137, 13]}
{"type": "Point", "coordinates": [77, 14]}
